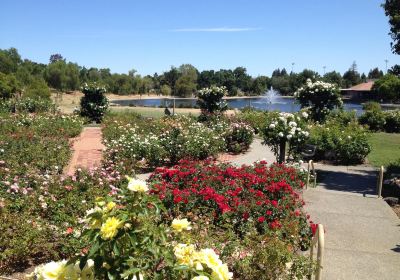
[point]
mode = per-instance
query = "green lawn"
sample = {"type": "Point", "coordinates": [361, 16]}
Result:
{"type": "Point", "coordinates": [150, 112]}
{"type": "Point", "coordinates": [385, 148]}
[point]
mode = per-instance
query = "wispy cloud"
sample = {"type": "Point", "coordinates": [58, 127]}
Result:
{"type": "Point", "coordinates": [216, 29]}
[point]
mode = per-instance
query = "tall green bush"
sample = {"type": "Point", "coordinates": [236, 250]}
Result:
{"type": "Point", "coordinates": [94, 103]}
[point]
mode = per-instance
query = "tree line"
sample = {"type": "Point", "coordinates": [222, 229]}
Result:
{"type": "Point", "coordinates": [28, 78]}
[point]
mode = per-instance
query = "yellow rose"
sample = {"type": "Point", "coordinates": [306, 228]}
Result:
{"type": "Point", "coordinates": [209, 258]}
{"type": "Point", "coordinates": [109, 229]}
{"type": "Point", "coordinates": [180, 224]}
{"type": "Point", "coordinates": [136, 185]}
{"type": "Point", "coordinates": [51, 270]}
{"type": "Point", "coordinates": [110, 206]}
{"type": "Point", "coordinates": [221, 273]}
{"type": "Point", "coordinates": [184, 254]}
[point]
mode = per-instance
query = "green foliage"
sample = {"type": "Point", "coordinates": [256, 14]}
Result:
{"type": "Point", "coordinates": [140, 143]}
{"type": "Point", "coordinates": [392, 11]}
{"type": "Point", "coordinates": [94, 103]}
{"type": "Point", "coordinates": [210, 100]}
{"type": "Point", "coordinates": [165, 90]}
{"type": "Point", "coordinates": [286, 128]}
{"type": "Point", "coordinates": [35, 207]}
{"type": "Point", "coordinates": [319, 98]}
{"type": "Point", "coordinates": [238, 137]}
{"type": "Point", "coordinates": [375, 119]}
{"type": "Point", "coordinates": [27, 105]}
{"type": "Point", "coordinates": [371, 106]}
{"type": "Point", "coordinates": [37, 89]}
{"type": "Point", "coordinates": [351, 77]}
{"type": "Point", "coordinates": [387, 88]}
{"type": "Point", "coordinates": [333, 78]}
{"type": "Point", "coordinates": [9, 85]}
{"type": "Point", "coordinates": [346, 144]}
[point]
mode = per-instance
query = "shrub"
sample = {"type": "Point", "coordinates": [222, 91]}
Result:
{"type": "Point", "coordinates": [342, 117]}
{"type": "Point", "coordinates": [320, 98]}
{"type": "Point", "coordinates": [345, 144]}
{"type": "Point", "coordinates": [374, 119]}
{"type": "Point", "coordinates": [236, 208]}
{"type": "Point", "coordinates": [210, 99]}
{"type": "Point", "coordinates": [371, 106]}
{"type": "Point", "coordinates": [27, 105]}
{"type": "Point", "coordinates": [392, 124]}
{"type": "Point", "coordinates": [238, 137]}
{"type": "Point", "coordinates": [257, 119]}
{"type": "Point", "coordinates": [37, 89]}
{"type": "Point", "coordinates": [94, 103]}
{"type": "Point", "coordinates": [286, 128]}
{"type": "Point", "coordinates": [149, 144]}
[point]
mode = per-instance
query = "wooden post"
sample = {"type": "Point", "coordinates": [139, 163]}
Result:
{"type": "Point", "coordinates": [319, 241]}
{"type": "Point", "coordinates": [320, 252]}
{"type": "Point", "coordinates": [380, 182]}
{"type": "Point", "coordinates": [282, 151]}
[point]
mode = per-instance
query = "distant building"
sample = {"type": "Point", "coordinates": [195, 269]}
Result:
{"type": "Point", "coordinates": [361, 91]}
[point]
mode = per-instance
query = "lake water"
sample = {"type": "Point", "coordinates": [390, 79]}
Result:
{"type": "Point", "coordinates": [283, 104]}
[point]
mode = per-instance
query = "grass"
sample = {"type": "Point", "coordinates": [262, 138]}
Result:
{"type": "Point", "coordinates": [150, 112]}
{"type": "Point", "coordinates": [385, 148]}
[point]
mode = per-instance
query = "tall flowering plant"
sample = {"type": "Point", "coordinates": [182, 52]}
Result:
{"type": "Point", "coordinates": [286, 128]}
{"type": "Point", "coordinates": [319, 97]}
{"type": "Point", "coordinates": [210, 99]}
{"type": "Point", "coordinates": [94, 103]}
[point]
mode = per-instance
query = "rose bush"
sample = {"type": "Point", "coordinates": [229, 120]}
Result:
{"type": "Point", "coordinates": [347, 144]}
{"type": "Point", "coordinates": [210, 100]}
{"type": "Point", "coordinates": [128, 240]}
{"type": "Point", "coordinates": [320, 98]}
{"type": "Point", "coordinates": [235, 207]}
{"type": "Point", "coordinates": [94, 103]}
{"type": "Point", "coordinates": [286, 128]}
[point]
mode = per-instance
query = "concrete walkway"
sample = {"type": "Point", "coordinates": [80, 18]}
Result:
{"type": "Point", "coordinates": [87, 150]}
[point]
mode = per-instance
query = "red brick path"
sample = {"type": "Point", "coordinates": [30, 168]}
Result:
{"type": "Point", "coordinates": [87, 150]}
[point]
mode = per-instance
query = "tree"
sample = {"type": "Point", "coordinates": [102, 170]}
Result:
{"type": "Point", "coordinates": [375, 73]}
{"type": "Point", "coordinates": [395, 70]}
{"type": "Point", "coordinates": [259, 85]}
{"type": "Point", "coordinates": [37, 89]}
{"type": "Point", "coordinates": [56, 57]}
{"type": "Point", "coordinates": [387, 88]}
{"type": "Point", "coordinates": [351, 77]}
{"type": "Point", "coordinates": [206, 79]}
{"type": "Point", "coordinates": [9, 60]}
{"type": "Point", "coordinates": [170, 78]}
{"type": "Point", "coordinates": [165, 90]}
{"type": "Point", "coordinates": [9, 85]}
{"type": "Point", "coordinates": [242, 79]}
{"type": "Point", "coordinates": [392, 10]}
{"type": "Point", "coordinates": [333, 78]}
{"type": "Point", "coordinates": [72, 76]}
{"type": "Point", "coordinates": [185, 86]}
{"type": "Point", "coordinates": [55, 75]}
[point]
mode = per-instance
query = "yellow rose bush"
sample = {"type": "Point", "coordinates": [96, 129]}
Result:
{"type": "Point", "coordinates": [130, 240]}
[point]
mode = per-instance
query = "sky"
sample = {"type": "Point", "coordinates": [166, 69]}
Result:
{"type": "Point", "coordinates": [152, 35]}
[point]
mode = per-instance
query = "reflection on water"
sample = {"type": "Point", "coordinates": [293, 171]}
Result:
{"type": "Point", "coordinates": [265, 103]}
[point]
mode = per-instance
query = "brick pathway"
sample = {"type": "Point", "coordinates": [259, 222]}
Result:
{"type": "Point", "coordinates": [87, 150]}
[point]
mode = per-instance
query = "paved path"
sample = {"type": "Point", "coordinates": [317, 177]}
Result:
{"type": "Point", "coordinates": [87, 150]}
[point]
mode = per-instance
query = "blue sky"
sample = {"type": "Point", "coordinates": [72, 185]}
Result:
{"type": "Point", "coordinates": [152, 35]}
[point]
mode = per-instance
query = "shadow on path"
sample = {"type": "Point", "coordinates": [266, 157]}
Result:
{"type": "Point", "coordinates": [359, 181]}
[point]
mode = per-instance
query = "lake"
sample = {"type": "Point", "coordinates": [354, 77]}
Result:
{"type": "Point", "coordinates": [279, 103]}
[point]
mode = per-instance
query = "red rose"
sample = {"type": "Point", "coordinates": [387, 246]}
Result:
{"type": "Point", "coordinates": [261, 219]}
